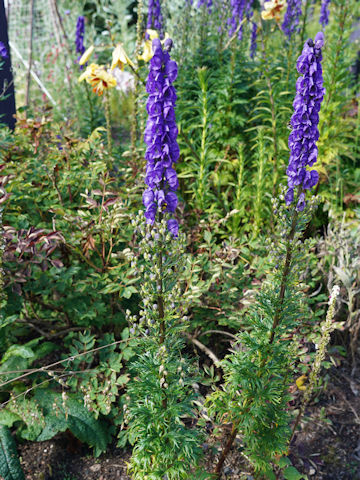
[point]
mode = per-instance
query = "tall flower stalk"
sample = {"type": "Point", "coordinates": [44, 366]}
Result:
{"type": "Point", "coordinates": [79, 37]}
{"type": "Point", "coordinates": [155, 18]}
{"type": "Point", "coordinates": [327, 327]}
{"type": "Point", "coordinates": [324, 13]}
{"type": "Point", "coordinates": [257, 376]}
{"type": "Point", "coordinates": [160, 392]}
{"type": "Point", "coordinates": [291, 18]}
{"type": "Point", "coordinates": [160, 137]}
{"type": "Point", "coordinates": [304, 122]}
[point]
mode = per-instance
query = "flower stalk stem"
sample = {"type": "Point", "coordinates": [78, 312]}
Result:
{"type": "Point", "coordinates": [226, 450]}
{"type": "Point", "coordinates": [108, 122]}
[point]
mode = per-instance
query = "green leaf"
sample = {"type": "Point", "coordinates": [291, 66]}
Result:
{"type": "Point", "coordinates": [74, 417]}
{"type": "Point", "coordinates": [10, 468]}
{"type": "Point", "coordinates": [8, 418]}
{"type": "Point", "coordinates": [284, 461]}
{"type": "Point", "coordinates": [207, 236]}
{"type": "Point", "coordinates": [290, 473]}
{"type": "Point", "coordinates": [270, 475]}
{"type": "Point", "coordinates": [18, 351]}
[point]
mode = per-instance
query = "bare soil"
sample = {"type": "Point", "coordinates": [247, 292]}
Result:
{"type": "Point", "coordinates": [327, 446]}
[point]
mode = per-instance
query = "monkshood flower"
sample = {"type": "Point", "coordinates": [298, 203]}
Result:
{"type": "Point", "coordinates": [253, 43]}
{"type": "Point", "coordinates": [208, 3]}
{"type": "Point", "coordinates": [237, 14]}
{"type": "Point", "coordinates": [3, 50]}
{"type": "Point", "coordinates": [79, 35]}
{"type": "Point", "coordinates": [302, 140]}
{"type": "Point", "coordinates": [324, 13]}
{"type": "Point", "coordinates": [239, 8]}
{"type": "Point", "coordinates": [155, 18]}
{"type": "Point", "coordinates": [291, 18]}
{"type": "Point", "coordinates": [160, 136]}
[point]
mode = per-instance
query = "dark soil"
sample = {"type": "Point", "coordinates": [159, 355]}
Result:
{"type": "Point", "coordinates": [327, 447]}
{"type": "Point", "coordinates": [62, 458]}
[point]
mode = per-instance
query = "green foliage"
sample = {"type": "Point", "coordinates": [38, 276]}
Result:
{"type": "Point", "coordinates": [67, 412]}
{"type": "Point", "coordinates": [10, 468]}
{"type": "Point", "coordinates": [160, 397]}
{"type": "Point", "coordinates": [258, 373]}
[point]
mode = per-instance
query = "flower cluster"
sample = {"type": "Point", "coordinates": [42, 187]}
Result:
{"type": "Point", "coordinates": [155, 18]}
{"type": "Point", "coordinates": [239, 8]}
{"type": "Point", "coordinates": [292, 17]}
{"type": "Point", "coordinates": [160, 136]}
{"type": "Point", "coordinates": [324, 13]}
{"type": "Point", "coordinates": [79, 35]}
{"type": "Point", "coordinates": [304, 122]}
{"type": "Point", "coordinates": [237, 13]}
{"type": "Point", "coordinates": [208, 3]}
{"type": "Point", "coordinates": [98, 78]}
{"type": "Point", "coordinates": [272, 9]}
{"type": "Point", "coordinates": [3, 50]}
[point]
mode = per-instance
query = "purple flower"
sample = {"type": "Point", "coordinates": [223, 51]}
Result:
{"type": "Point", "coordinates": [160, 136]}
{"type": "Point", "coordinates": [324, 13]}
{"type": "Point", "coordinates": [238, 9]}
{"type": "Point", "coordinates": [253, 43]}
{"type": "Point", "coordinates": [3, 50]}
{"type": "Point", "coordinates": [292, 17]}
{"type": "Point", "coordinates": [304, 122]}
{"type": "Point", "coordinates": [155, 18]}
{"type": "Point", "coordinates": [79, 35]}
{"type": "Point", "coordinates": [208, 3]}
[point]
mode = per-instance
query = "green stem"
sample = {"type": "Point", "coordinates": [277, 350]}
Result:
{"type": "Point", "coordinates": [108, 122]}
{"type": "Point", "coordinates": [91, 109]}
{"type": "Point", "coordinates": [303, 28]}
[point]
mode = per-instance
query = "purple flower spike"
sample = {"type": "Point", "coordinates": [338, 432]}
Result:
{"type": "Point", "coordinates": [155, 18]}
{"type": "Point", "coordinates": [160, 137]}
{"type": "Point", "coordinates": [292, 17]}
{"type": "Point", "coordinates": [3, 50]}
{"type": "Point", "coordinates": [79, 35]}
{"type": "Point", "coordinates": [239, 8]}
{"type": "Point", "coordinates": [208, 3]}
{"type": "Point", "coordinates": [324, 13]}
{"type": "Point", "coordinates": [253, 43]}
{"type": "Point", "coordinates": [302, 140]}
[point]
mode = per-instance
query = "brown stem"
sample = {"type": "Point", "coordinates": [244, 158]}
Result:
{"type": "Point", "coordinates": [226, 450]}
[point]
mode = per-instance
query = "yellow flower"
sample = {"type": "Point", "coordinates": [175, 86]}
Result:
{"type": "Point", "coordinates": [272, 9]}
{"type": "Point", "coordinates": [98, 78]}
{"type": "Point", "coordinates": [86, 55]}
{"type": "Point", "coordinates": [152, 33]}
{"type": "Point", "coordinates": [300, 382]}
{"type": "Point", "coordinates": [120, 58]}
{"type": "Point", "coordinates": [148, 53]}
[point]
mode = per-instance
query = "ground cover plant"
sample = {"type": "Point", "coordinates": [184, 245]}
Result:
{"type": "Point", "coordinates": [180, 256]}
